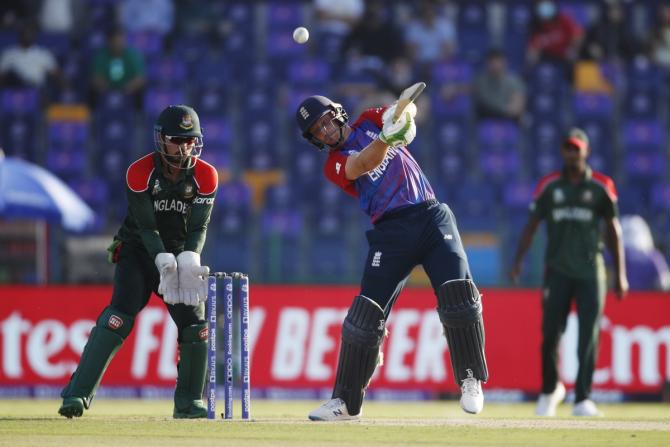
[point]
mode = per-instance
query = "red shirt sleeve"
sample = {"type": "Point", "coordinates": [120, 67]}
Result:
{"type": "Point", "coordinates": [139, 173]}
{"type": "Point", "coordinates": [574, 30]}
{"type": "Point", "coordinates": [206, 177]}
{"type": "Point", "coordinates": [334, 171]}
{"type": "Point", "coordinates": [372, 115]}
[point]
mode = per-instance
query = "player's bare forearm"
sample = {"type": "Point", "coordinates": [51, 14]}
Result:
{"type": "Point", "coordinates": [526, 239]}
{"type": "Point", "coordinates": [614, 242]}
{"type": "Point", "coordinates": [366, 160]}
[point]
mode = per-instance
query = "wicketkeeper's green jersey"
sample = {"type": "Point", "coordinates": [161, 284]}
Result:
{"type": "Point", "coordinates": [164, 216]}
{"type": "Point", "coordinates": [574, 213]}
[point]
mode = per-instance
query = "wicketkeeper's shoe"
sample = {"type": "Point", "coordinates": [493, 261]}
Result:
{"type": "Point", "coordinates": [547, 403]}
{"type": "Point", "coordinates": [333, 410]}
{"type": "Point", "coordinates": [72, 407]}
{"type": "Point", "coordinates": [197, 410]}
{"type": "Point", "coordinates": [586, 408]}
{"type": "Point", "coordinates": [472, 396]}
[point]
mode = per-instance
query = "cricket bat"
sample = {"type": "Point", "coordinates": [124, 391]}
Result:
{"type": "Point", "coordinates": [406, 97]}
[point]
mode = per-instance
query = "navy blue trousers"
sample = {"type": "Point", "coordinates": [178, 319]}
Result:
{"type": "Point", "coordinates": [425, 234]}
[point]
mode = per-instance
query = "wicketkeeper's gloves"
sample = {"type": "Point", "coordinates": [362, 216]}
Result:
{"type": "Point", "coordinates": [192, 278]}
{"type": "Point", "coordinates": [168, 287]}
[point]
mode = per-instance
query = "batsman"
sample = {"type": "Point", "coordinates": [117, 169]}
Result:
{"type": "Point", "coordinates": [370, 160]}
{"type": "Point", "coordinates": [170, 193]}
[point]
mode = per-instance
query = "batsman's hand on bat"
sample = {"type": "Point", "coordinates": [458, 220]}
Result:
{"type": "Point", "coordinates": [403, 131]}
{"type": "Point", "coordinates": [168, 287]}
{"type": "Point", "coordinates": [192, 278]}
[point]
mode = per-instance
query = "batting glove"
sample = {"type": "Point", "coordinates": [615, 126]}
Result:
{"type": "Point", "coordinates": [192, 278]}
{"type": "Point", "coordinates": [168, 287]}
{"type": "Point", "coordinates": [403, 131]}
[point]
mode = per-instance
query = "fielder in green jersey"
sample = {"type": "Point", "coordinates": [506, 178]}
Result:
{"type": "Point", "coordinates": [574, 203]}
{"type": "Point", "coordinates": [170, 198]}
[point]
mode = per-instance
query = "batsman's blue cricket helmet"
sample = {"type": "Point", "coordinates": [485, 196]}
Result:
{"type": "Point", "coordinates": [311, 109]}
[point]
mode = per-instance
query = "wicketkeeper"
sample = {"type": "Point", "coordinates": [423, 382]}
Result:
{"type": "Point", "coordinates": [170, 198]}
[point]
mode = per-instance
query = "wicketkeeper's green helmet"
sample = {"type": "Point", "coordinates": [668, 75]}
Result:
{"type": "Point", "coordinates": [178, 124]}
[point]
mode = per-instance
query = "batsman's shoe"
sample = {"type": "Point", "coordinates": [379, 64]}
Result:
{"type": "Point", "coordinates": [472, 397]}
{"type": "Point", "coordinates": [333, 410]}
{"type": "Point", "coordinates": [547, 403]}
{"type": "Point", "coordinates": [72, 407]}
{"type": "Point", "coordinates": [586, 408]}
{"type": "Point", "coordinates": [197, 410]}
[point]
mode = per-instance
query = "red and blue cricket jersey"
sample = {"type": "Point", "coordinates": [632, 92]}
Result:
{"type": "Point", "coordinates": [396, 183]}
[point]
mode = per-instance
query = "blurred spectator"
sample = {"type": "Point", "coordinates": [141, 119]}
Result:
{"type": "Point", "coordinates": [147, 15]}
{"type": "Point", "coordinates": [118, 67]}
{"type": "Point", "coordinates": [610, 38]}
{"type": "Point", "coordinates": [647, 268]}
{"type": "Point", "coordinates": [195, 18]}
{"type": "Point", "coordinates": [497, 92]}
{"type": "Point", "coordinates": [554, 36]}
{"type": "Point", "coordinates": [14, 13]}
{"type": "Point", "coordinates": [57, 16]}
{"type": "Point", "coordinates": [28, 64]}
{"type": "Point", "coordinates": [660, 38]}
{"type": "Point", "coordinates": [338, 17]}
{"type": "Point", "coordinates": [375, 36]}
{"type": "Point", "coordinates": [334, 21]}
{"type": "Point", "coordinates": [430, 36]}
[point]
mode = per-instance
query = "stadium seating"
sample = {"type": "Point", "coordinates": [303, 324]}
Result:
{"type": "Point", "coordinates": [275, 214]}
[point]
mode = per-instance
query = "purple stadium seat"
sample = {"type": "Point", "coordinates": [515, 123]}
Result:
{"type": "Point", "coordinates": [216, 131]}
{"type": "Point", "coordinates": [451, 167]}
{"type": "Point", "coordinates": [286, 222]}
{"type": "Point", "coordinates": [210, 101]}
{"type": "Point", "coordinates": [545, 135]}
{"type": "Point", "coordinates": [643, 73]}
{"type": "Point", "coordinates": [308, 72]}
{"type": "Point", "coordinates": [281, 47]}
{"type": "Point", "coordinates": [600, 133]}
{"type": "Point", "coordinates": [94, 191]}
{"type": "Point", "coordinates": [500, 165]}
{"type": "Point", "coordinates": [19, 101]}
{"type": "Point", "coordinates": [216, 155]}
{"type": "Point", "coordinates": [497, 133]}
{"type": "Point", "coordinates": [641, 103]}
{"type": "Point", "coordinates": [546, 76]}
{"type": "Point", "coordinates": [67, 132]}
{"type": "Point", "coordinates": [57, 43]}
{"type": "Point", "coordinates": [284, 16]}
{"type": "Point", "coordinates": [660, 196]}
{"type": "Point", "coordinates": [578, 11]}
{"type": "Point", "coordinates": [457, 107]}
{"type": "Point", "coordinates": [156, 99]}
{"type": "Point", "coordinates": [115, 134]}
{"type": "Point", "coordinates": [17, 137]}
{"type": "Point", "coordinates": [643, 135]}
{"type": "Point", "coordinates": [167, 71]}
{"type": "Point", "coordinates": [645, 166]}
{"type": "Point", "coordinates": [149, 43]}
{"type": "Point", "coordinates": [451, 134]}
{"type": "Point", "coordinates": [593, 105]}
{"type": "Point", "coordinates": [546, 161]}
{"type": "Point", "coordinates": [67, 163]}
{"type": "Point", "coordinates": [633, 199]}
{"type": "Point", "coordinates": [260, 133]}
{"type": "Point", "coordinates": [452, 72]}
{"type": "Point", "coordinates": [518, 194]}
{"type": "Point", "coordinates": [545, 105]}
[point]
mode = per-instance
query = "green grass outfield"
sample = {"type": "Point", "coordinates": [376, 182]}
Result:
{"type": "Point", "coordinates": [280, 423]}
